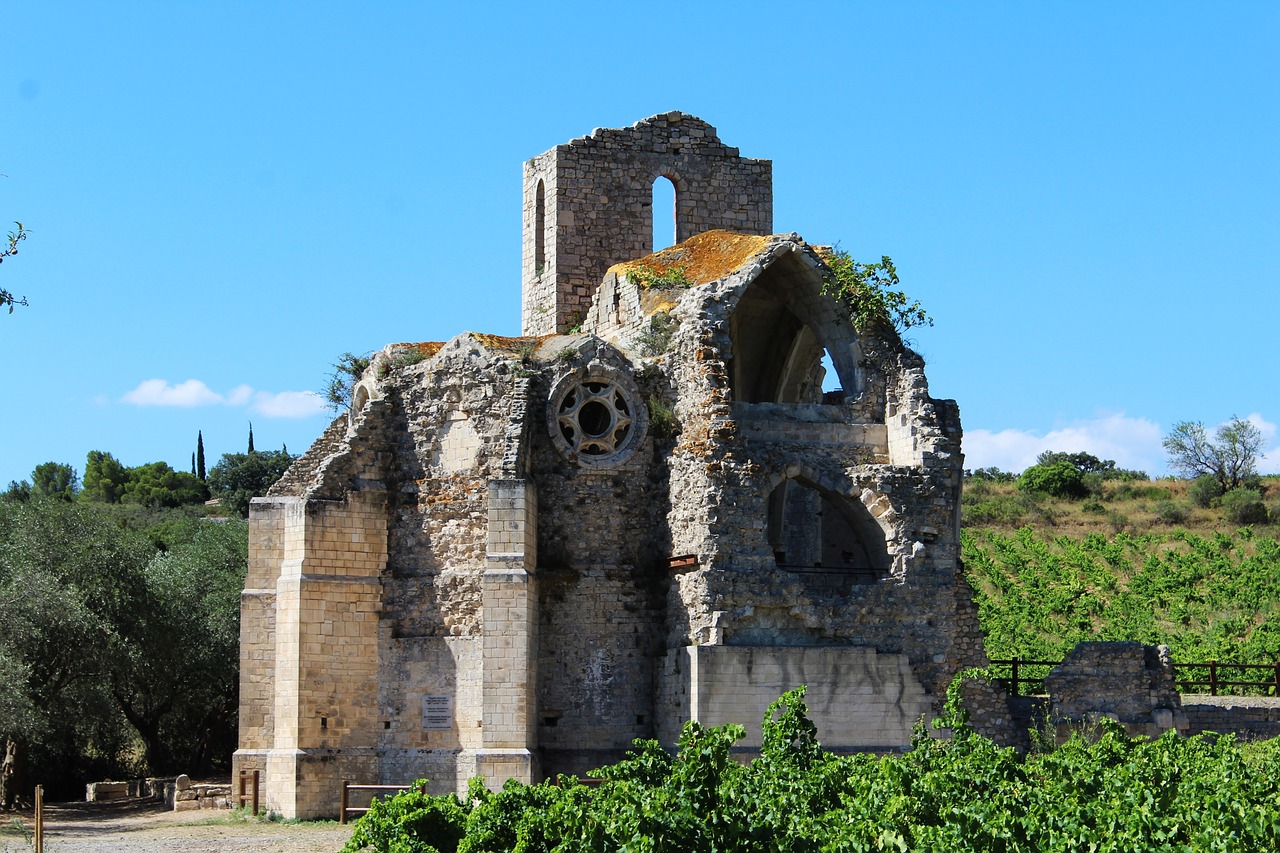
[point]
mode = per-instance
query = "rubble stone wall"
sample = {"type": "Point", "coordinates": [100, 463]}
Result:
{"type": "Point", "coordinates": [597, 193]}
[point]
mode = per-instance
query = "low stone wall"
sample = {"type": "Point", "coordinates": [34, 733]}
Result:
{"type": "Point", "coordinates": [152, 787]}
{"type": "Point", "coordinates": [1246, 717]}
{"type": "Point", "coordinates": [188, 796]}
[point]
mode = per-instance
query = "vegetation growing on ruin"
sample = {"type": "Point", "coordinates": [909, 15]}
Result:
{"type": "Point", "coordinates": [650, 277]}
{"type": "Point", "coordinates": [867, 294]}
{"type": "Point", "coordinates": [962, 794]}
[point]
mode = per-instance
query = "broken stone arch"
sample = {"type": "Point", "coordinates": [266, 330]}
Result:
{"type": "Point", "coordinates": [780, 327]}
{"type": "Point", "coordinates": [816, 525]}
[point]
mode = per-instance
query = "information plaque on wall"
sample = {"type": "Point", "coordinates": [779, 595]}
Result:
{"type": "Point", "coordinates": [437, 711]}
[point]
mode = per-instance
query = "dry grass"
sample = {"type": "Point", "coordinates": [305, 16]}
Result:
{"type": "Point", "coordinates": [1135, 507]}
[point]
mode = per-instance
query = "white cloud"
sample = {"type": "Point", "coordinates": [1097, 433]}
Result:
{"type": "Point", "coordinates": [239, 395]}
{"type": "Point", "coordinates": [157, 392]}
{"type": "Point", "coordinates": [1132, 442]}
{"type": "Point", "coordinates": [289, 404]}
{"type": "Point", "coordinates": [193, 392]}
{"type": "Point", "coordinates": [1269, 461]}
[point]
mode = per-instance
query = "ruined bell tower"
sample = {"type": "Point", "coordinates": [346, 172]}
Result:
{"type": "Point", "coordinates": [588, 204]}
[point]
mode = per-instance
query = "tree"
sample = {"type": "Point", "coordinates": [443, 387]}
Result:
{"type": "Point", "coordinates": [251, 437]}
{"type": "Point", "coordinates": [1231, 457]}
{"type": "Point", "coordinates": [200, 472]}
{"type": "Point", "coordinates": [105, 478]}
{"type": "Point", "coordinates": [347, 371]}
{"type": "Point", "coordinates": [53, 479]}
{"type": "Point", "coordinates": [240, 477]}
{"type": "Point", "coordinates": [1060, 479]}
{"type": "Point", "coordinates": [156, 484]}
{"type": "Point", "coordinates": [14, 237]}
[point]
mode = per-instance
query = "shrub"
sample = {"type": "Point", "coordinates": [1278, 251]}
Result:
{"type": "Point", "coordinates": [1060, 479]}
{"type": "Point", "coordinates": [1168, 512]}
{"type": "Point", "coordinates": [1244, 506]}
{"type": "Point", "coordinates": [1006, 510]}
{"type": "Point", "coordinates": [412, 822]}
{"type": "Point", "coordinates": [1093, 505]}
{"type": "Point", "coordinates": [1205, 490]}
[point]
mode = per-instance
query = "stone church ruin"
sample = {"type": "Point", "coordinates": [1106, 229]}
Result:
{"type": "Point", "coordinates": [514, 556]}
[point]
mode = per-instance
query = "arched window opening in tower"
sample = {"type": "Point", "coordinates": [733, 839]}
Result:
{"type": "Point", "coordinates": [540, 230]}
{"type": "Point", "coordinates": [664, 213]}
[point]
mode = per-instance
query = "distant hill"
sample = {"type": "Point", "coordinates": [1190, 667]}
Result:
{"type": "Point", "coordinates": [1138, 561]}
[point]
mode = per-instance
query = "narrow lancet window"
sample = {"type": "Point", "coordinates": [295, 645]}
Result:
{"type": "Point", "coordinates": [540, 230]}
{"type": "Point", "coordinates": [664, 213]}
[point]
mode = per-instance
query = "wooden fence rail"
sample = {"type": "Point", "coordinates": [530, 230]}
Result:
{"type": "Point", "coordinates": [1026, 677]}
{"type": "Point", "coordinates": [348, 787]}
{"type": "Point", "coordinates": [247, 777]}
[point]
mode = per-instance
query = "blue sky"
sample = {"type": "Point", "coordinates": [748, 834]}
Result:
{"type": "Point", "coordinates": [223, 197]}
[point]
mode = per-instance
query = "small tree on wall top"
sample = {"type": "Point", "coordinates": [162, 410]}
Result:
{"type": "Point", "coordinates": [866, 294]}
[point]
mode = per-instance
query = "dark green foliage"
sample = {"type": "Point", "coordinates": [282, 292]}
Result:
{"type": "Point", "coordinates": [107, 644]}
{"type": "Point", "coordinates": [962, 794]}
{"type": "Point", "coordinates": [240, 477]}
{"type": "Point", "coordinates": [1244, 506]}
{"type": "Point", "coordinates": [992, 475]}
{"type": "Point", "coordinates": [200, 470]}
{"type": "Point", "coordinates": [55, 480]}
{"type": "Point", "coordinates": [18, 490]}
{"type": "Point", "coordinates": [1060, 479]}
{"type": "Point", "coordinates": [1205, 490]}
{"type": "Point", "coordinates": [1168, 512]}
{"type": "Point", "coordinates": [156, 484]}
{"type": "Point", "coordinates": [250, 439]}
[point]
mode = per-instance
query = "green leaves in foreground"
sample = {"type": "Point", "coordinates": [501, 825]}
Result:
{"type": "Point", "coordinates": [1113, 793]}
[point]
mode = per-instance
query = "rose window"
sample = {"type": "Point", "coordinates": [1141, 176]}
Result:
{"type": "Point", "coordinates": [594, 418]}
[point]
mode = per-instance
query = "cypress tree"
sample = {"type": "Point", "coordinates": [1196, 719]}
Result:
{"type": "Point", "coordinates": [250, 436]}
{"type": "Point", "coordinates": [193, 463]}
{"type": "Point", "coordinates": [199, 472]}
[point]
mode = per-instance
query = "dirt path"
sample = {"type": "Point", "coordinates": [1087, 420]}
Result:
{"type": "Point", "coordinates": [142, 826]}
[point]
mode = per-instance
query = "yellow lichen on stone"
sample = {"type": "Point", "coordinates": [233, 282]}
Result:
{"type": "Point", "coordinates": [706, 257]}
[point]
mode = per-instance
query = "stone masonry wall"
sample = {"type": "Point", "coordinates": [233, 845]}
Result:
{"type": "Point", "coordinates": [598, 197]}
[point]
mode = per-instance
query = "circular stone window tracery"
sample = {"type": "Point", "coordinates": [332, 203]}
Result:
{"type": "Point", "coordinates": [595, 417]}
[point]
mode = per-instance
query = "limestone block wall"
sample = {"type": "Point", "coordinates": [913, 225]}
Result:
{"type": "Point", "coordinates": [328, 595]}
{"type": "Point", "coordinates": [860, 700]}
{"type": "Point", "coordinates": [596, 197]}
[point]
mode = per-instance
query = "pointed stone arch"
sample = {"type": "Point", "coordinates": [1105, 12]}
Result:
{"type": "Point", "coordinates": [780, 328]}
{"type": "Point", "coordinates": [820, 524]}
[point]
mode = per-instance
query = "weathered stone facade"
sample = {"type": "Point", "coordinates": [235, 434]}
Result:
{"type": "Point", "coordinates": [513, 556]}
